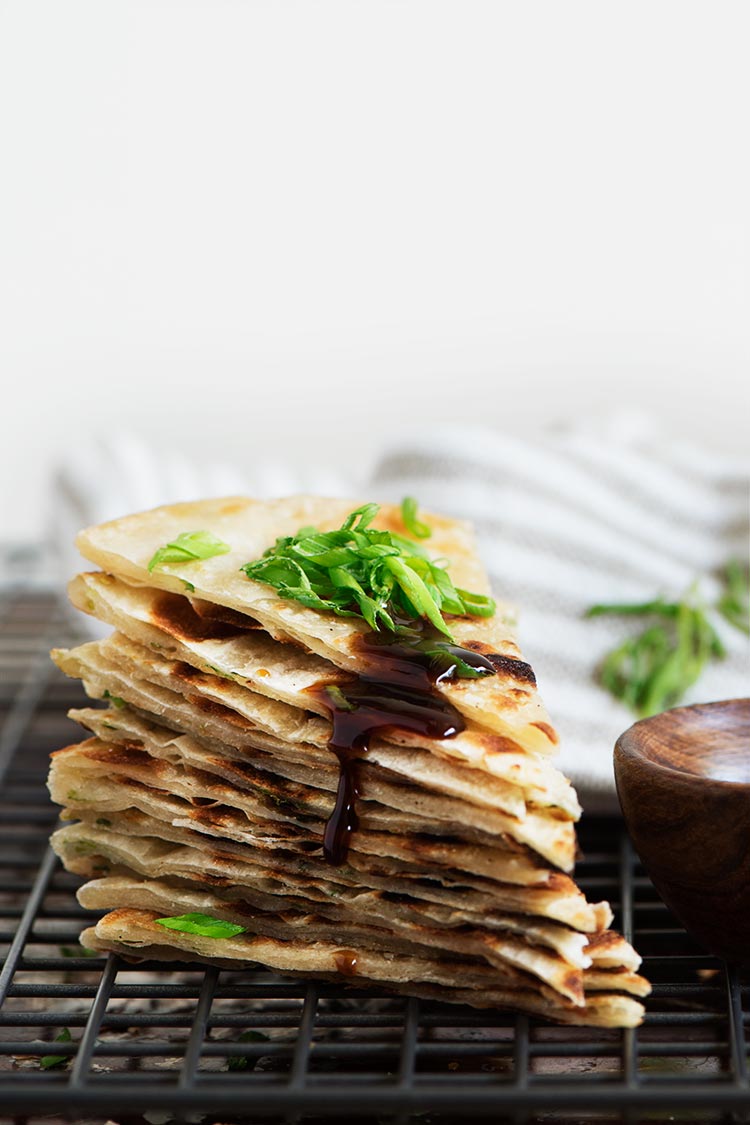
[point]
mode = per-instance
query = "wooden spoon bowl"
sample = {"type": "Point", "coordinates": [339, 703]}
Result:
{"type": "Point", "coordinates": [683, 779]}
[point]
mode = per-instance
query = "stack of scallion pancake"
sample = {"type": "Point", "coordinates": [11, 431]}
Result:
{"type": "Point", "coordinates": [273, 784]}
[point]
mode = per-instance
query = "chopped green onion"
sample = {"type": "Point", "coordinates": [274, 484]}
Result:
{"type": "Point", "coordinates": [338, 699]}
{"type": "Point", "coordinates": [240, 1062]}
{"type": "Point", "coordinates": [187, 547]}
{"type": "Point", "coordinates": [78, 951]}
{"type": "Point", "coordinates": [114, 699]}
{"type": "Point", "coordinates": [477, 605]}
{"type": "Point", "coordinates": [357, 571]}
{"type": "Point", "coordinates": [47, 1062]}
{"type": "Point", "coordinates": [411, 523]}
{"type": "Point", "coordinates": [204, 924]}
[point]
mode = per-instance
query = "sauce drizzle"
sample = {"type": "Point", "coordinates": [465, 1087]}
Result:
{"type": "Point", "coordinates": [396, 690]}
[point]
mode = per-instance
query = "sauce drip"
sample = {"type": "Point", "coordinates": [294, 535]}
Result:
{"type": "Point", "coordinates": [419, 656]}
{"type": "Point", "coordinates": [396, 690]}
{"type": "Point", "coordinates": [359, 711]}
{"type": "Point", "coordinates": [346, 962]}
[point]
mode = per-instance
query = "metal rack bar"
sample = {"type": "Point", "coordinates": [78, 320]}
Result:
{"type": "Point", "coordinates": [521, 1047]}
{"type": "Point", "coordinates": [629, 1035]}
{"type": "Point", "coordinates": [408, 1046]}
{"type": "Point", "coordinates": [304, 1038]}
{"type": "Point", "coordinates": [737, 1045]}
{"type": "Point", "coordinates": [87, 1045]}
{"type": "Point", "coordinates": [26, 922]}
{"type": "Point", "coordinates": [198, 1029]}
{"type": "Point", "coordinates": [29, 695]}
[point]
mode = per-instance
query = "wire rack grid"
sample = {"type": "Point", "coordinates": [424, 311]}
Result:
{"type": "Point", "coordinates": [203, 1044]}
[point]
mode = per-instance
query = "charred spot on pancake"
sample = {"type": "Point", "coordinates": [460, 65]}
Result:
{"type": "Point", "coordinates": [247, 909]}
{"type": "Point", "coordinates": [121, 754]}
{"type": "Point", "coordinates": [219, 711]}
{"type": "Point", "coordinates": [493, 743]}
{"type": "Point", "coordinates": [126, 915]}
{"type": "Point", "coordinates": [213, 612]}
{"type": "Point", "coordinates": [572, 984]}
{"type": "Point", "coordinates": [179, 617]}
{"type": "Point", "coordinates": [220, 859]}
{"type": "Point", "coordinates": [562, 884]}
{"type": "Point", "coordinates": [505, 664]}
{"type": "Point", "coordinates": [604, 941]}
{"type": "Point", "coordinates": [550, 731]}
{"type": "Point", "coordinates": [512, 666]}
{"type": "Point", "coordinates": [185, 671]}
{"type": "Point", "coordinates": [475, 646]}
{"type": "Point", "coordinates": [68, 749]}
{"type": "Point", "coordinates": [213, 880]}
{"type": "Point", "coordinates": [216, 814]}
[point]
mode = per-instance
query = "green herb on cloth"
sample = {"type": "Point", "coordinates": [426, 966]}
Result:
{"type": "Point", "coordinates": [651, 671]}
{"type": "Point", "coordinates": [734, 603]}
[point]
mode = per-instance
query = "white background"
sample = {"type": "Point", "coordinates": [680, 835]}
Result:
{"type": "Point", "coordinates": [292, 229]}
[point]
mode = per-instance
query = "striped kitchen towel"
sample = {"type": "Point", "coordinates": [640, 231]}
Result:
{"type": "Point", "coordinates": [564, 519]}
{"type": "Point", "coordinates": [581, 516]}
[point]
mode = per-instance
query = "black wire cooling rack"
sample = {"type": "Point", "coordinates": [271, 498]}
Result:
{"type": "Point", "coordinates": [200, 1045]}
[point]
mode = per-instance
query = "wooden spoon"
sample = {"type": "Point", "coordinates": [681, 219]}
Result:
{"type": "Point", "coordinates": [683, 779]}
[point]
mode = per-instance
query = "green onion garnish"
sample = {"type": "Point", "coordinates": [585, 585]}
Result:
{"type": "Point", "coordinates": [411, 523]}
{"type": "Point", "coordinates": [204, 924]}
{"type": "Point", "coordinates": [48, 1062]}
{"type": "Point", "coordinates": [356, 571]}
{"type": "Point", "coordinates": [187, 547]}
{"type": "Point", "coordinates": [240, 1062]}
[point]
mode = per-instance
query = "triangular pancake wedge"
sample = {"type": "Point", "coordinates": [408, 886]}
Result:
{"type": "Point", "coordinates": [507, 703]}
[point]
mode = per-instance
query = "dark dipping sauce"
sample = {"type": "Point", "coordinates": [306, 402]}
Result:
{"type": "Point", "coordinates": [396, 690]}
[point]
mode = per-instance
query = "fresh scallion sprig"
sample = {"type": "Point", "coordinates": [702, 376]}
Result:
{"type": "Point", "coordinates": [412, 524]}
{"type": "Point", "coordinates": [357, 571]}
{"type": "Point", "coordinates": [734, 603]}
{"type": "Point", "coordinates": [652, 670]}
